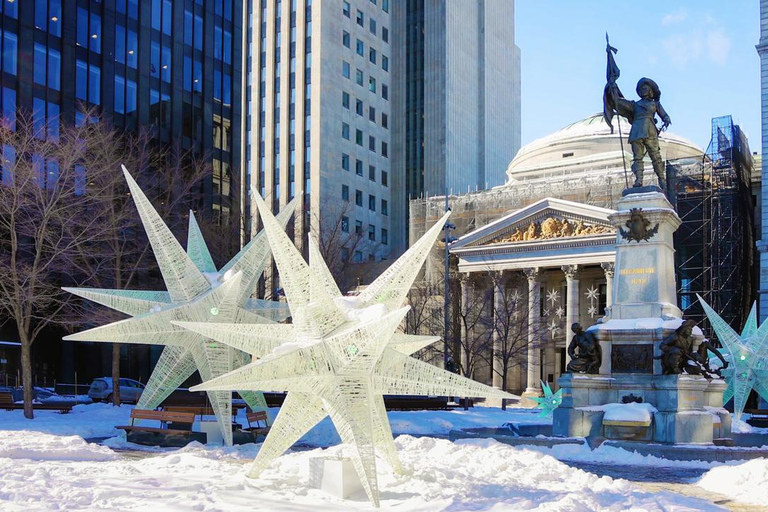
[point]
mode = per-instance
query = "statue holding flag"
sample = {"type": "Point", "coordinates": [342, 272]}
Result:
{"type": "Point", "coordinates": [641, 114]}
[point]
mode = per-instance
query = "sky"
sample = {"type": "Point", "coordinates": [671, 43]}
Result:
{"type": "Point", "coordinates": [700, 52]}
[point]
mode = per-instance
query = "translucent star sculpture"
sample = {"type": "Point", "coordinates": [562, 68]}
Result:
{"type": "Point", "coordinates": [553, 296]}
{"type": "Point", "coordinates": [550, 401]}
{"type": "Point", "coordinates": [747, 356]}
{"type": "Point", "coordinates": [196, 292]}
{"type": "Point", "coordinates": [340, 356]}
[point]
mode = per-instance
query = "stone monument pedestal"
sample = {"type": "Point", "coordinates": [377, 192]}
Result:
{"type": "Point", "coordinates": [643, 313]}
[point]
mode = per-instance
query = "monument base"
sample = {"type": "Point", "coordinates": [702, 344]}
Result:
{"type": "Point", "coordinates": [688, 407]}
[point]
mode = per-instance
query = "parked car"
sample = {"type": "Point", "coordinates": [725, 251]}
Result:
{"type": "Point", "coordinates": [101, 390]}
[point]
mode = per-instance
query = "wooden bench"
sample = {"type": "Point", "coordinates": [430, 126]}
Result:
{"type": "Point", "coordinates": [759, 417]}
{"type": "Point", "coordinates": [200, 410]}
{"type": "Point", "coordinates": [7, 403]}
{"type": "Point", "coordinates": [255, 428]}
{"type": "Point", "coordinates": [175, 428]}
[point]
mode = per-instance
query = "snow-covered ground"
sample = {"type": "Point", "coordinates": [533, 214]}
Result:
{"type": "Point", "coordinates": [46, 465]}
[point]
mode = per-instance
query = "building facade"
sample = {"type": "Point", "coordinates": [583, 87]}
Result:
{"type": "Point", "coordinates": [762, 243]}
{"type": "Point", "coordinates": [545, 236]}
{"type": "Point", "coordinates": [318, 120]}
{"type": "Point", "coordinates": [172, 64]}
{"type": "Point", "coordinates": [456, 104]}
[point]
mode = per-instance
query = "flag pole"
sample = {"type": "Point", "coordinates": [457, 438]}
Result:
{"type": "Point", "coordinates": [612, 73]}
{"type": "Point", "coordinates": [621, 141]}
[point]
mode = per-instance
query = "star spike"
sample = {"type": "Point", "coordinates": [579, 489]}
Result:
{"type": "Point", "coordinates": [550, 401]}
{"type": "Point", "coordinates": [130, 302]}
{"type": "Point", "coordinates": [197, 248]}
{"type": "Point", "coordinates": [181, 276]}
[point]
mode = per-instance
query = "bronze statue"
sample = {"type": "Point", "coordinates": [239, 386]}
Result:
{"type": "Point", "coordinates": [641, 114]}
{"type": "Point", "coordinates": [678, 355]}
{"type": "Point", "coordinates": [584, 349]}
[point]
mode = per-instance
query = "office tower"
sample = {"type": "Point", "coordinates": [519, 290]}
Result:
{"type": "Point", "coordinates": [456, 100]}
{"type": "Point", "coordinates": [172, 64]}
{"type": "Point", "coordinates": [762, 206]}
{"type": "Point", "coordinates": [318, 119]}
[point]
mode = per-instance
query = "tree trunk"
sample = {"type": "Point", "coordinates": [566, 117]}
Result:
{"type": "Point", "coordinates": [26, 376]}
{"type": "Point", "coordinates": [504, 387]}
{"type": "Point", "coordinates": [115, 374]}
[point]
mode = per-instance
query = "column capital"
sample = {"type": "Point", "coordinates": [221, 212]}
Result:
{"type": "Point", "coordinates": [571, 271]}
{"type": "Point", "coordinates": [532, 273]}
{"type": "Point", "coordinates": [608, 267]}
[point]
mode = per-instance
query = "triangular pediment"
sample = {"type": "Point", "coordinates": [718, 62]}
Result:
{"type": "Point", "coordinates": [549, 219]}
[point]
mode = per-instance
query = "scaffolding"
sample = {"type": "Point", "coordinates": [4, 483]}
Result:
{"type": "Point", "coordinates": [715, 247]}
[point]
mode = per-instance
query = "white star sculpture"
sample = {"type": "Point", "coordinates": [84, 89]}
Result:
{"type": "Point", "coordinates": [516, 297]}
{"type": "Point", "coordinates": [592, 311]}
{"type": "Point", "coordinates": [553, 328]}
{"type": "Point", "coordinates": [747, 355]}
{"type": "Point", "coordinates": [553, 296]}
{"type": "Point", "coordinates": [340, 355]}
{"type": "Point", "coordinates": [196, 292]}
{"type": "Point", "coordinates": [560, 312]}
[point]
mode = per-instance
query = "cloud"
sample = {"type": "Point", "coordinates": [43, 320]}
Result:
{"type": "Point", "coordinates": [718, 46]}
{"type": "Point", "coordinates": [673, 18]}
{"type": "Point", "coordinates": [683, 48]}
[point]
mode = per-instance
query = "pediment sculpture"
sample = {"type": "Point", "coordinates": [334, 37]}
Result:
{"type": "Point", "coordinates": [549, 228]}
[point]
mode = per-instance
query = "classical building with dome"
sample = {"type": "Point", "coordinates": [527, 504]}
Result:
{"type": "Point", "coordinates": [534, 256]}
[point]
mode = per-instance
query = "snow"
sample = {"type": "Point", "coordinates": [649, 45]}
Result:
{"type": "Point", "coordinates": [46, 465]}
{"type": "Point", "coordinates": [629, 412]}
{"type": "Point", "coordinates": [747, 482]}
{"type": "Point", "coordinates": [439, 475]}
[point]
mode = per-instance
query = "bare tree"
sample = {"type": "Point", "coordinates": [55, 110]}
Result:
{"type": "Point", "coordinates": [475, 337]}
{"type": "Point", "coordinates": [46, 217]}
{"type": "Point", "coordinates": [426, 299]}
{"type": "Point", "coordinates": [509, 324]}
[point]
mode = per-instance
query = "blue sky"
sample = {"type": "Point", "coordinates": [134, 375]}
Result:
{"type": "Point", "coordinates": [700, 52]}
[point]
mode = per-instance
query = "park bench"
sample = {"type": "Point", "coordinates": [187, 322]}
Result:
{"type": "Point", "coordinates": [7, 403]}
{"type": "Point", "coordinates": [175, 428]}
{"type": "Point", "coordinates": [759, 417]}
{"type": "Point", "coordinates": [255, 428]}
{"type": "Point", "coordinates": [201, 410]}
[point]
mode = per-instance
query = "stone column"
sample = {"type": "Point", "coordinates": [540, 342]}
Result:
{"type": "Point", "coordinates": [572, 309]}
{"type": "Point", "coordinates": [608, 270]}
{"type": "Point", "coordinates": [533, 383]}
{"type": "Point", "coordinates": [464, 330]}
{"type": "Point", "coordinates": [498, 305]}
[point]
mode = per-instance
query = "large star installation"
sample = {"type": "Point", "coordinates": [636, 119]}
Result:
{"type": "Point", "coordinates": [747, 355]}
{"type": "Point", "coordinates": [196, 292]}
{"type": "Point", "coordinates": [339, 357]}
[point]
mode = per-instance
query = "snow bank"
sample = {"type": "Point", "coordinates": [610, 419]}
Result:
{"type": "Point", "coordinates": [87, 420]}
{"type": "Point", "coordinates": [629, 412]}
{"type": "Point", "coordinates": [747, 482]}
{"type": "Point", "coordinates": [42, 447]}
{"type": "Point", "coordinates": [440, 475]}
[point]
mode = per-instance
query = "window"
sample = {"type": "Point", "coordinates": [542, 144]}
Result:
{"type": "Point", "coordinates": [372, 114]}
{"type": "Point", "coordinates": [47, 16]}
{"type": "Point", "coordinates": [385, 178]}
{"type": "Point", "coordinates": [384, 236]}
{"type": "Point", "coordinates": [359, 77]}
{"type": "Point", "coordinates": [384, 149]}
{"type": "Point", "coordinates": [359, 138]}
{"type": "Point", "coordinates": [10, 44]}
{"type": "Point", "coordinates": [40, 57]}
{"type": "Point", "coordinates": [165, 64]}
{"type": "Point", "coordinates": [9, 108]}
{"type": "Point", "coordinates": [345, 131]}
{"type": "Point", "coordinates": [345, 161]}
{"type": "Point", "coordinates": [371, 84]}
{"type": "Point", "coordinates": [345, 39]}
{"type": "Point", "coordinates": [359, 107]}
{"type": "Point", "coordinates": [360, 18]}
{"type": "Point", "coordinates": [345, 224]}
{"type": "Point", "coordinates": [167, 16]}
{"type": "Point", "coordinates": [359, 167]}
{"type": "Point", "coordinates": [345, 251]}
{"type": "Point", "coordinates": [384, 92]}
{"type": "Point", "coordinates": [359, 200]}
{"type": "Point", "coordinates": [358, 258]}
{"type": "Point", "coordinates": [372, 202]}
{"type": "Point", "coordinates": [125, 95]}
{"type": "Point", "coordinates": [345, 8]}
{"type": "Point", "coordinates": [385, 5]}
{"type": "Point", "coordinates": [345, 192]}
{"type": "Point", "coordinates": [130, 7]}
{"type": "Point", "coordinates": [385, 34]}
{"type": "Point", "coordinates": [372, 173]}
{"type": "Point", "coordinates": [345, 68]}
{"type": "Point", "coordinates": [372, 143]}
{"type": "Point", "coordinates": [360, 48]}
{"type": "Point", "coordinates": [384, 120]}
{"type": "Point", "coordinates": [372, 55]}
{"type": "Point", "coordinates": [372, 25]}
{"type": "Point", "coordinates": [385, 63]}
{"type": "Point", "coordinates": [372, 233]}
{"type": "Point", "coordinates": [11, 8]}
{"type": "Point", "coordinates": [384, 207]}
{"type": "Point", "coordinates": [154, 59]}
{"type": "Point", "coordinates": [345, 99]}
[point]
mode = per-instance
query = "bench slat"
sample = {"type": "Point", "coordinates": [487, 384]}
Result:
{"type": "Point", "coordinates": [129, 428]}
{"type": "Point", "coordinates": [164, 416]}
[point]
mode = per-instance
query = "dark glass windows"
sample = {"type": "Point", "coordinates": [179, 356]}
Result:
{"type": "Point", "coordinates": [126, 46]}
{"type": "Point", "coordinates": [10, 51]}
{"type": "Point", "coordinates": [48, 16]}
